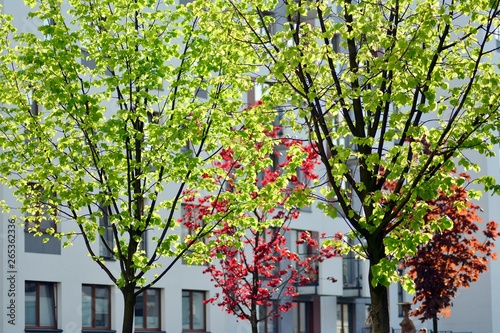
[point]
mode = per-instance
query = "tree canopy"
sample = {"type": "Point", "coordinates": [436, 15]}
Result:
{"type": "Point", "coordinates": [394, 91]}
{"type": "Point", "coordinates": [113, 110]}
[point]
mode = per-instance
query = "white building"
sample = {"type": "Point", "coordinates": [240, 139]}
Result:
{"type": "Point", "coordinates": [48, 289]}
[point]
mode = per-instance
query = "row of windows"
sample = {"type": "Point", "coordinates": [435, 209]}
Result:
{"type": "Point", "coordinates": [41, 305]}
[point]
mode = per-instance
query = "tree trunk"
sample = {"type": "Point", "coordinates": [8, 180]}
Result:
{"type": "Point", "coordinates": [129, 306]}
{"type": "Point", "coordinates": [254, 320]}
{"type": "Point", "coordinates": [379, 294]}
{"type": "Point", "coordinates": [379, 309]}
{"type": "Point", "coordinates": [255, 326]}
{"type": "Point", "coordinates": [435, 323]}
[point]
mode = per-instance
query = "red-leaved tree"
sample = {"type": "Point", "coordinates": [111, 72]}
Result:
{"type": "Point", "coordinates": [258, 281]}
{"type": "Point", "coordinates": [453, 258]}
{"type": "Point", "coordinates": [259, 275]}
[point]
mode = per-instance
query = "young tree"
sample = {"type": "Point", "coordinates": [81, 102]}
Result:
{"type": "Point", "coordinates": [102, 119]}
{"type": "Point", "coordinates": [259, 277]}
{"type": "Point", "coordinates": [259, 280]}
{"type": "Point", "coordinates": [401, 86]}
{"type": "Point", "coordinates": [453, 258]}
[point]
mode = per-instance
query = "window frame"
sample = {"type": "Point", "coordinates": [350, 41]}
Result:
{"type": "Point", "coordinates": [37, 304]}
{"type": "Point", "coordinates": [93, 307]}
{"type": "Point", "coordinates": [191, 306]}
{"type": "Point", "coordinates": [144, 326]}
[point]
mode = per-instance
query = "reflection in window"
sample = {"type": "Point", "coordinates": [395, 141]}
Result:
{"type": "Point", "coordinates": [147, 309]}
{"type": "Point", "coordinates": [343, 318]}
{"type": "Point", "coordinates": [96, 307]}
{"type": "Point", "coordinates": [193, 310]}
{"type": "Point", "coordinates": [39, 306]}
{"type": "Point", "coordinates": [302, 314]}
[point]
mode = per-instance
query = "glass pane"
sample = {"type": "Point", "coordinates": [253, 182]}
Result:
{"type": "Point", "coordinates": [139, 311]}
{"type": "Point", "coordinates": [345, 318]}
{"type": "Point", "coordinates": [339, 318]}
{"type": "Point", "coordinates": [295, 319]}
{"type": "Point", "coordinates": [102, 307]}
{"type": "Point", "coordinates": [302, 316]}
{"type": "Point", "coordinates": [47, 305]}
{"type": "Point", "coordinates": [271, 322]}
{"type": "Point", "coordinates": [186, 310]}
{"type": "Point", "coordinates": [153, 308]}
{"type": "Point", "coordinates": [86, 306]}
{"type": "Point", "coordinates": [262, 314]}
{"type": "Point", "coordinates": [30, 303]}
{"type": "Point", "coordinates": [47, 220]}
{"type": "Point", "coordinates": [198, 310]}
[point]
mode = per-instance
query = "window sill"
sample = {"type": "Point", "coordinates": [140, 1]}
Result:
{"type": "Point", "coordinates": [43, 330]}
{"type": "Point", "coordinates": [98, 331]}
{"type": "Point", "coordinates": [148, 331]}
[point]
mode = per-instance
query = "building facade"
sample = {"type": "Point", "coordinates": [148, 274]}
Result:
{"type": "Point", "coordinates": [47, 288]}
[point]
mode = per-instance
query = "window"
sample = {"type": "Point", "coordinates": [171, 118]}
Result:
{"type": "Point", "coordinates": [40, 304]}
{"type": "Point", "coordinates": [305, 250]}
{"type": "Point", "coordinates": [40, 217]}
{"type": "Point", "coordinates": [193, 311]}
{"type": "Point", "coordinates": [34, 110]}
{"type": "Point", "coordinates": [96, 307]}
{"type": "Point", "coordinates": [351, 271]}
{"type": "Point", "coordinates": [147, 310]}
{"type": "Point", "coordinates": [496, 35]}
{"type": "Point", "coordinates": [193, 224]}
{"type": "Point", "coordinates": [106, 241]}
{"type": "Point", "coordinates": [192, 218]}
{"type": "Point", "coordinates": [302, 315]}
{"type": "Point", "coordinates": [48, 28]}
{"type": "Point", "coordinates": [278, 157]}
{"type": "Point", "coordinates": [268, 321]}
{"type": "Point", "coordinates": [41, 211]}
{"type": "Point", "coordinates": [87, 60]}
{"type": "Point", "coordinates": [343, 318]}
{"type": "Point", "coordinates": [400, 296]}
{"type": "Point", "coordinates": [267, 26]}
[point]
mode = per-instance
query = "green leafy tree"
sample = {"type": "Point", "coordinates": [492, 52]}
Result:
{"type": "Point", "coordinates": [102, 118]}
{"type": "Point", "coordinates": [389, 91]}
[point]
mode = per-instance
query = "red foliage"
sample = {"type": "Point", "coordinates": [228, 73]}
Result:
{"type": "Point", "coordinates": [454, 258]}
{"type": "Point", "coordinates": [262, 271]}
